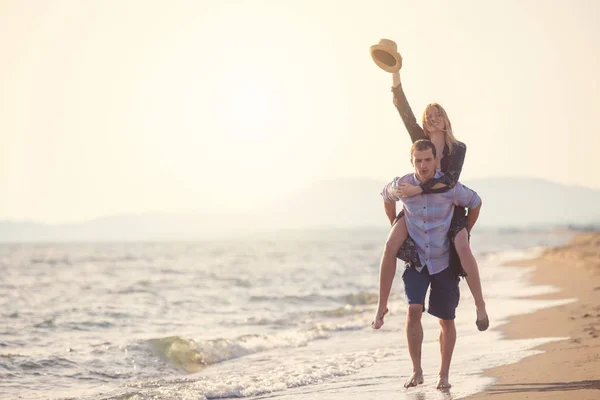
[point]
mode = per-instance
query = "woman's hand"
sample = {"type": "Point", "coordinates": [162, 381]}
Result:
{"type": "Point", "coordinates": [395, 82]}
{"type": "Point", "coordinates": [408, 190]}
{"type": "Point", "coordinates": [395, 78]}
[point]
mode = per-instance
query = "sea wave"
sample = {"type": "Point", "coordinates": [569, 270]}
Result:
{"type": "Point", "coordinates": [248, 382]}
{"type": "Point", "coordinates": [191, 356]}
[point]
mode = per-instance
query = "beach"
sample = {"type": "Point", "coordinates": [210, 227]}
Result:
{"type": "Point", "coordinates": [568, 368]}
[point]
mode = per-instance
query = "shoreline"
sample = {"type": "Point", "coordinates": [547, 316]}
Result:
{"type": "Point", "coordinates": [568, 368]}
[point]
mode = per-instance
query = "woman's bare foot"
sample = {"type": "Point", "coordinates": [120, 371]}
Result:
{"type": "Point", "coordinates": [443, 383]}
{"type": "Point", "coordinates": [482, 320]}
{"type": "Point", "coordinates": [378, 320]}
{"type": "Point", "coordinates": [415, 379]}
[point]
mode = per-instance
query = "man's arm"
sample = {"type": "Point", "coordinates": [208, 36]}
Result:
{"type": "Point", "coordinates": [390, 210]}
{"type": "Point", "coordinates": [472, 216]}
{"type": "Point", "coordinates": [465, 197]}
{"type": "Point", "coordinates": [389, 193]}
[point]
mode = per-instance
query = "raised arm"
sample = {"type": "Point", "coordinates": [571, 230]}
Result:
{"type": "Point", "coordinates": [401, 103]}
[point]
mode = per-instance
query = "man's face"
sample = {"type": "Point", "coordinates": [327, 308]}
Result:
{"type": "Point", "coordinates": [424, 164]}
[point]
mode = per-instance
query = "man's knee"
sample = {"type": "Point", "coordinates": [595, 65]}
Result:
{"type": "Point", "coordinates": [447, 324]}
{"type": "Point", "coordinates": [415, 311]}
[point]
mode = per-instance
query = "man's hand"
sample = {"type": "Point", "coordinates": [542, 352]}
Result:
{"type": "Point", "coordinates": [408, 190]}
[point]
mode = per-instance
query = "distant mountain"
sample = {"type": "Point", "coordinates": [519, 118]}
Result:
{"type": "Point", "coordinates": [343, 203]}
{"type": "Point", "coordinates": [148, 226]}
{"type": "Point", "coordinates": [522, 202]}
{"type": "Point", "coordinates": [507, 202]}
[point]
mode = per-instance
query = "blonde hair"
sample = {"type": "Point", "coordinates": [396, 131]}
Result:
{"type": "Point", "coordinates": [449, 136]}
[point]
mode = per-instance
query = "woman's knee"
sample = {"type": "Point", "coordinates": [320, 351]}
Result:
{"type": "Point", "coordinates": [392, 246]}
{"type": "Point", "coordinates": [397, 236]}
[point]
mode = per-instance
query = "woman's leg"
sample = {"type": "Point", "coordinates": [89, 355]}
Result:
{"type": "Point", "coordinates": [469, 264]}
{"type": "Point", "coordinates": [387, 269]}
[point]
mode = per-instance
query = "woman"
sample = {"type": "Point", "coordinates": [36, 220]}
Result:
{"type": "Point", "coordinates": [450, 159]}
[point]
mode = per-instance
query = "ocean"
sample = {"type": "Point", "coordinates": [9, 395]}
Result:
{"type": "Point", "coordinates": [283, 315]}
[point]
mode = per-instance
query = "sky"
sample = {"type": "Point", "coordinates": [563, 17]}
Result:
{"type": "Point", "coordinates": [122, 106]}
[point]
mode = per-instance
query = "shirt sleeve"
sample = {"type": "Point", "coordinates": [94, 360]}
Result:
{"type": "Point", "coordinates": [452, 173]}
{"type": "Point", "coordinates": [388, 190]}
{"type": "Point", "coordinates": [410, 122]}
{"type": "Point", "coordinates": [465, 197]}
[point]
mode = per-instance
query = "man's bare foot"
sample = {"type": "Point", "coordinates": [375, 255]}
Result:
{"type": "Point", "coordinates": [443, 383]}
{"type": "Point", "coordinates": [415, 379]}
{"type": "Point", "coordinates": [482, 320]}
{"type": "Point", "coordinates": [378, 320]}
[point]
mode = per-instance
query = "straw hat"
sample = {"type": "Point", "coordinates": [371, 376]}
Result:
{"type": "Point", "coordinates": [386, 56]}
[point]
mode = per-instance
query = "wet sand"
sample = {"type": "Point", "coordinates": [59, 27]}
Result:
{"type": "Point", "coordinates": [568, 369]}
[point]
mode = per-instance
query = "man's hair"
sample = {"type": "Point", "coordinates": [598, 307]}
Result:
{"type": "Point", "coordinates": [422, 145]}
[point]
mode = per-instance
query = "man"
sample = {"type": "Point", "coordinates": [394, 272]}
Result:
{"type": "Point", "coordinates": [428, 219]}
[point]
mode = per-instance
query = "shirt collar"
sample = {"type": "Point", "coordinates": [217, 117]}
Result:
{"type": "Point", "coordinates": [437, 174]}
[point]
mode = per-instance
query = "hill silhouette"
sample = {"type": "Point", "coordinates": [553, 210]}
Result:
{"type": "Point", "coordinates": [332, 204]}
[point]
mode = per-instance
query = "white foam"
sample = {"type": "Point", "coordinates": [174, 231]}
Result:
{"type": "Point", "coordinates": [251, 380]}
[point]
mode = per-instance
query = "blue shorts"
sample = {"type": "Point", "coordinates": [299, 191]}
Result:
{"type": "Point", "coordinates": [444, 294]}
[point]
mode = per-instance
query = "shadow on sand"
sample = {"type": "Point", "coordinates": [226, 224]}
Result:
{"type": "Point", "coordinates": [446, 395]}
{"type": "Point", "coordinates": [544, 387]}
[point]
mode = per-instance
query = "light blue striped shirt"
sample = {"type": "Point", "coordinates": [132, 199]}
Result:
{"type": "Point", "coordinates": [428, 218]}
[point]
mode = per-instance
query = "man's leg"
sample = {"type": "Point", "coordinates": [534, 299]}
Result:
{"type": "Point", "coordinates": [443, 300]}
{"type": "Point", "coordinates": [414, 336]}
{"type": "Point", "coordinates": [415, 287]}
{"type": "Point", "coordinates": [447, 342]}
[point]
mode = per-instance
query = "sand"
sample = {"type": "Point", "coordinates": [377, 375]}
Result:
{"type": "Point", "coordinates": [568, 369]}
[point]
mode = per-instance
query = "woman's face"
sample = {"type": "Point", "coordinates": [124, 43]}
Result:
{"type": "Point", "coordinates": [435, 120]}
